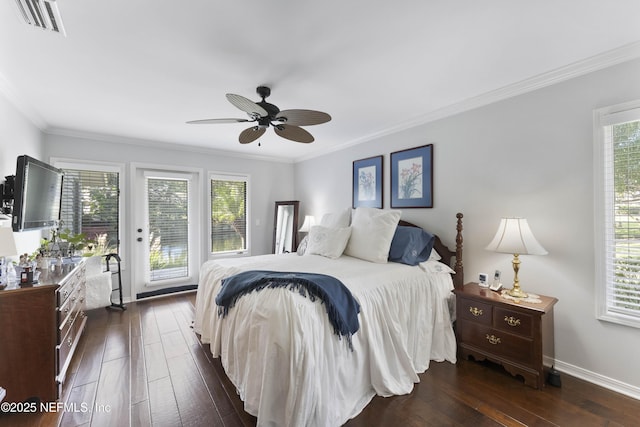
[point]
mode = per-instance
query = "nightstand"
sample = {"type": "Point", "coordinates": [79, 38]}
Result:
{"type": "Point", "coordinates": [514, 334]}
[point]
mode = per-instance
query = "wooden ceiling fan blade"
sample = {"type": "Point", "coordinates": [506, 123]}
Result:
{"type": "Point", "coordinates": [293, 133]}
{"type": "Point", "coordinates": [247, 105]}
{"type": "Point", "coordinates": [303, 117]}
{"type": "Point", "coordinates": [251, 134]}
{"type": "Point", "coordinates": [214, 121]}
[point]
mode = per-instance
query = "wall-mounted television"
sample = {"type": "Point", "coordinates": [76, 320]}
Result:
{"type": "Point", "coordinates": [37, 195]}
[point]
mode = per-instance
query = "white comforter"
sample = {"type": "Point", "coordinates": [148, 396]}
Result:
{"type": "Point", "coordinates": [290, 369]}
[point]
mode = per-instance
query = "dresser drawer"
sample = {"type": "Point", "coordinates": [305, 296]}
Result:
{"type": "Point", "coordinates": [69, 284]}
{"type": "Point", "coordinates": [475, 311]}
{"type": "Point", "coordinates": [63, 349]}
{"type": "Point", "coordinates": [497, 342]}
{"type": "Point", "coordinates": [67, 322]}
{"type": "Point", "coordinates": [73, 308]}
{"type": "Point", "coordinates": [512, 321]}
{"type": "Point", "coordinates": [75, 296]}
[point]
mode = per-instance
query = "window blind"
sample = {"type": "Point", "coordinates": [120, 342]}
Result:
{"type": "Point", "coordinates": [228, 214]}
{"type": "Point", "coordinates": [168, 205]}
{"type": "Point", "coordinates": [622, 177]}
{"type": "Point", "coordinates": [90, 205]}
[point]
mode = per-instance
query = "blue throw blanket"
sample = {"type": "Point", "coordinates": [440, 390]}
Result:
{"type": "Point", "coordinates": [341, 306]}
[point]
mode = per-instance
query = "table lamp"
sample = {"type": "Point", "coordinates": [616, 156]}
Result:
{"type": "Point", "coordinates": [309, 221]}
{"type": "Point", "coordinates": [515, 237]}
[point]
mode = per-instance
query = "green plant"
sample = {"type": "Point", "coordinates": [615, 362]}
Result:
{"type": "Point", "coordinates": [77, 242]}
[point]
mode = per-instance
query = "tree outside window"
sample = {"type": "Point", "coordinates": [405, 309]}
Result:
{"type": "Point", "coordinates": [228, 214]}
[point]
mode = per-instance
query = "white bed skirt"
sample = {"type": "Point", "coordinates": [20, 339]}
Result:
{"type": "Point", "coordinates": [290, 369]}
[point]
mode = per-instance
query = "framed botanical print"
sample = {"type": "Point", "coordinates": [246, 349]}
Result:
{"type": "Point", "coordinates": [412, 178]}
{"type": "Point", "coordinates": [367, 182]}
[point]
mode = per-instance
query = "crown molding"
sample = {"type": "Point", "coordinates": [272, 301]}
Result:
{"type": "Point", "coordinates": [161, 144]}
{"type": "Point", "coordinates": [601, 61]}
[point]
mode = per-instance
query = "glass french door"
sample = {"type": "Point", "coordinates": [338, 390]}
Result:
{"type": "Point", "coordinates": [165, 241]}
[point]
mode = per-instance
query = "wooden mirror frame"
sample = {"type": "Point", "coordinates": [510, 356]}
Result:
{"type": "Point", "coordinates": [294, 224]}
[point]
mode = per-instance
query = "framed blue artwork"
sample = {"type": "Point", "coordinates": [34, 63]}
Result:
{"type": "Point", "coordinates": [367, 182]}
{"type": "Point", "coordinates": [412, 178]}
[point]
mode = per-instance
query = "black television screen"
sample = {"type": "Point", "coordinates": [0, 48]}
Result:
{"type": "Point", "coordinates": [37, 195]}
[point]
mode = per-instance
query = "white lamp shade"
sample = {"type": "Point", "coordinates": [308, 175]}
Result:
{"type": "Point", "coordinates": [7, 242]}
{"type": "Point", "coordinates": [515, 237]}
{"type": "Point", "coordinates": [309, 221]}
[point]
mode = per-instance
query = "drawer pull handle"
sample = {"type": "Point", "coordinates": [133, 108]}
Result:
{"type": "Point", "coordinates": [512, 321]}
{"type": "Point", "coordinates": [493, 339]}
{"type": "Point", "coordinates": [475, 311]}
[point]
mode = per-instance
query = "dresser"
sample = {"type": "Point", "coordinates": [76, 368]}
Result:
{"type": "Point", "coordinates": [40, 326]}
{"type": "Point", "coordinates": [515, 334]}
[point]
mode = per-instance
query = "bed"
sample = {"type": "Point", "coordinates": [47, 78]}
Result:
{"type": "Point", "coordinates": [281, 353]}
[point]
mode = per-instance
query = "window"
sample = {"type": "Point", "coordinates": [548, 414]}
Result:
{"type": "Point", "coordinates": [229, 214]}
{"type": "Point", "coordinates": [91, 204]}
{"type": "Point", "coordinates": [617, 157]}
{"type": "Point", "coordinates": [168, 213]}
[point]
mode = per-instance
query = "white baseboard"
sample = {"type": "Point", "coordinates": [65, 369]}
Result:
{"type": "Point", "coordinates": [595, 378]}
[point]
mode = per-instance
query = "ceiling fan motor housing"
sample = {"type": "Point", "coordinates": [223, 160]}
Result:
{"type": "Point", "coordinates": [271, 109]}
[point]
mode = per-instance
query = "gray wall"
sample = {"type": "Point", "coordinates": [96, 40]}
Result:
{"type": "Point", "coordinates": [528, 156]}
{"type": "Point", "coordinates": [18, 136]}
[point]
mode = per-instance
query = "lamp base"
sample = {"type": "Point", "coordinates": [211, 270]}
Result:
{"type": "Point", "coordinates": [516, 292]}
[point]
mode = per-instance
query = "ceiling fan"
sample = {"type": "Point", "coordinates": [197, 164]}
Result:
{"type": "Point", "coordinates": [286, 123]}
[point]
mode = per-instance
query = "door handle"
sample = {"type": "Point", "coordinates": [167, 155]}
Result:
{"type": "Point", "coordinates": [139, 239]}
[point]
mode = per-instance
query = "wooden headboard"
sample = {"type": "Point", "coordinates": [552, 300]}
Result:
{"type": "Point", "coordinates": [448, 256]}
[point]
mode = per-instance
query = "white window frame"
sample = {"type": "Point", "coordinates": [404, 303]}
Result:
{"type": "Point", "coordinates": [226, 176]}
{"type": "Point", "coordinates": [604, 212]}
{"type": "Point", "coordinates": [88, 165]}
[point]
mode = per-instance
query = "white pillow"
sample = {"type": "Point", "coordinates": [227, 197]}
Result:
{"type": "Point", "coordinates": [434, 256]}
{"type": "Point", "coordinates": [431, 266]}
{"type": "Point", "coordinates": [339, 219]}
{"type": "Point", "coordinates": [302, 247]}
{"type": "Point", "coordinates": [371, 234]}
{"type": "Point", "coordinates": [328, 242]}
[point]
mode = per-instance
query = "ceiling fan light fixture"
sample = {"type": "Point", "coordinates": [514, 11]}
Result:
{"type": "Point", "coordinates": [263, 123]}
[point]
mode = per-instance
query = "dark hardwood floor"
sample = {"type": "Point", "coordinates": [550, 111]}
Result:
{"type": "Point", "coordinates": [145, 366]}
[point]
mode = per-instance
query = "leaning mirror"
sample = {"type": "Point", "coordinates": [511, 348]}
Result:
{"type": "Point", "coordinates": [285, 227]}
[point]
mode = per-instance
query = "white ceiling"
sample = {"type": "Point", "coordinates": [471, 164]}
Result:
{"type": "Point", "coordinates": [139, 69]}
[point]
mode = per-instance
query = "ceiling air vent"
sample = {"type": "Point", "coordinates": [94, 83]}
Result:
{"type": "Point", "coordinates": [42, 13]}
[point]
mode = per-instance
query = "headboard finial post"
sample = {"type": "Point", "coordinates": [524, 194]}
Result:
{"type": "Point", "coordinates": [458, 280]}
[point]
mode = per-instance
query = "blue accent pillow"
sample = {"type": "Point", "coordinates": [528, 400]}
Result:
{"type": "Point", "coordinates": [411, 245]}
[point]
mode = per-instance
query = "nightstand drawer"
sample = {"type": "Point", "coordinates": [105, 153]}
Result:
{"type": "Point", "coordinates": [475, 311]}
{"type": "Point", "coordinates": [497, 342]}
{"type": "Point", "coordinates": [514, 322]}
